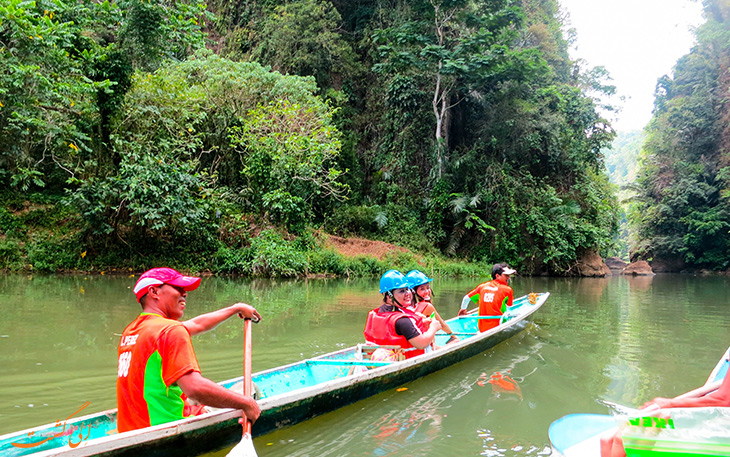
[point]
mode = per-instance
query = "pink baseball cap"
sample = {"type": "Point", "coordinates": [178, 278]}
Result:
{"type": "Point", "coordinates": [159, 276]}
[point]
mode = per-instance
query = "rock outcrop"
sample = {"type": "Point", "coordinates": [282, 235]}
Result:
{"type": "Point", "coordinates": [615, 263]}
{"type": "Point", "coordinates": [592, 265]}
{"type": "Point", "coordinates": [640, 268]}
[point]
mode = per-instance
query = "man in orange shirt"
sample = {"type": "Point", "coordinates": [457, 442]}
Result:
{"type": "Point", "coordinates": [493, 297]}
{"type": "Point", "coordinates": [158, 370]}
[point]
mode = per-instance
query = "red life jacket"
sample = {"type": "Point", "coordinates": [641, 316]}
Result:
{"type": "Point", "coordinates": [380, 329]}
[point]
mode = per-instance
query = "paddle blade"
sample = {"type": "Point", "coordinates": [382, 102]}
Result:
{"type": "Point", "coordinates": [244, 448]}
{"type": "Point", "coordinates": [579, 434]}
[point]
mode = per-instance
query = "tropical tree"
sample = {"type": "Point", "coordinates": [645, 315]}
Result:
{"type": "Point", "coordinates": [66, 69]}
{"type": "Point", "coordinates": [446, 47]}
{"type": "Point", "coordinates": [206, 134]}
{"type": "Point", "coordinates": [304, 38]}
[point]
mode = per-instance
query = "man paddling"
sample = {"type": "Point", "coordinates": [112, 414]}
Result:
{"type": "Point", "coordinates": [158, 370]}
{"type": "Point", "coordinates": [493, 297]}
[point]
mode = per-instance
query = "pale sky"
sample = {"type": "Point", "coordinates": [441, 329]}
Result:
{"type": "Point", "coordinates": [637, 41]}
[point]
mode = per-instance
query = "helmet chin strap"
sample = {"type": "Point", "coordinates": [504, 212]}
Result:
{"type": "Point", "coordinates": [392, 297]}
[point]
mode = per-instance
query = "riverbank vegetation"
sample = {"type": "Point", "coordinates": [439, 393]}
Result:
{"type": "Point", "coordinates": [681, 214]}
{"type": "Point", "coordinates": [234, 137]}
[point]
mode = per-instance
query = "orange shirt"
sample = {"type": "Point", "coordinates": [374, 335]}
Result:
{"type": "Point", "coordinates": [154, 352]}
{"type": "Point", "coordinates": [494, 298]}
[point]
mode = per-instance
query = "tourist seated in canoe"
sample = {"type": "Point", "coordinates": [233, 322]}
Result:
{"type": "Point", "coordinates": [393, 324]}
{"type": "Point", "coordinates": [158, 371]}
{"type": "Point", "coordinates": [422, 302]}
{"type": "Point", "coordinates": [493, 297]}
{"type": "Point", "coordinates": [612, 444]}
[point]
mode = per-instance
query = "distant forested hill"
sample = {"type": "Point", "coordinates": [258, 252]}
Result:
{"type": "Point", "coordinates": [682, 218]}
{"type": "Point", "coordinates": [228, 137]}
{"type": "Point", "coordinates": [622, 158]}
{"type": "Point", "coordinates": [622, 164]}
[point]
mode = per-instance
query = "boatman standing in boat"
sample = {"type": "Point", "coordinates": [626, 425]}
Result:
{"type": "Point", "coordinates": [158, 370]}
{"type": "Point", "coordinates": [394, 324]}
{"type": "Point", "coordinates": [493, 297]}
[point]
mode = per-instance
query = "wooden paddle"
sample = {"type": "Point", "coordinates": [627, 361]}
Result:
{"type": "Point", "coordinates": [245, 447]}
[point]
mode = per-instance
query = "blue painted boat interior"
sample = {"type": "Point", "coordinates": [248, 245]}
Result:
{"type": "Point", "coordinates": [722, 371]}
{"type": "Point", "coordinates": [73, 432]}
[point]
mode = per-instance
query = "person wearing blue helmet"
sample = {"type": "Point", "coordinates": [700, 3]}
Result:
{"type": "Point", "coordinates": [393, 324]}
{"type": "Point", "coordinates": [422, 303]}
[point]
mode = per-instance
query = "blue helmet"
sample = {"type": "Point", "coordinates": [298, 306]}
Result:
{"type": "Point", "coordinates": [392, 279]}
{"type": "Point", "coordinates": [416, 278]}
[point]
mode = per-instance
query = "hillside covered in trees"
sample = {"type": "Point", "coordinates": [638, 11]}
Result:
{"type": "Point", "coordinates": [681, 212]}
{"type": "Point", "coordinates": [622, 163]}
{"type": "Point", "coordinates": [622, 158]}
{"type": "Point", "coordinates": [232, 137]}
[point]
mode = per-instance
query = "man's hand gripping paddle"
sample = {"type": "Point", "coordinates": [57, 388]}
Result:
{"type": "Point", "coordinates": [245, 447]}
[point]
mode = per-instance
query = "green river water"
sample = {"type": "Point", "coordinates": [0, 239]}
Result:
{"type": "Point", "coordinates": [618, 339]}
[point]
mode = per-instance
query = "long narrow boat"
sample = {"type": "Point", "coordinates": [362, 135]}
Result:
{"type": "Point", "coordinates": [578, 435]}
{"type": "Point", "coordinates": [287, 395]}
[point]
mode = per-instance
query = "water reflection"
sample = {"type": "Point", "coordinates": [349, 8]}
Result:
{"type": "Point", "coordinates": [639, 284]}
{"type": "Point", "coordinates": [416, 426]}
{"type": "Point", "coordinates": [590, 290]}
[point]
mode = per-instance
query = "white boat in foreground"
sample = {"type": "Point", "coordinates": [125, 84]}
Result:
{"type": "Point", "coordinates": [675, 432]}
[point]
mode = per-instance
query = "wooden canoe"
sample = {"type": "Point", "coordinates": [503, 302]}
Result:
{"type": "Point", "coordinates": [287, 395]}
{"type": "Point", "coordinates": [578, 435]}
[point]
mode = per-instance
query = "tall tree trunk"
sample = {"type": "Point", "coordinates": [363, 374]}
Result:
{"type": "Point", "coordinates": [439, 110]}
{"type": "Point", "coordinates": [440, 102]}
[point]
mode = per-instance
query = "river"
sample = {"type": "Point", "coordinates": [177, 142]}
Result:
{"type": "Point", "coordinates": [618, 339]}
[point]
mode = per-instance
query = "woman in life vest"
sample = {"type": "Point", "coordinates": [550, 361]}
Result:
{"type": "Point", "coordinates": [394, 324]}
{"type": "Point", "coordinates": [422, 300]}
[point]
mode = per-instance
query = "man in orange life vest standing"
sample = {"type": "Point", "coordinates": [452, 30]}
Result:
{"type": "Point", "coordinates": [158, 369]}
{"type": "Point", "coordinates": [393, 324]}
{"type": "Point", "coordinates": [493, 297]}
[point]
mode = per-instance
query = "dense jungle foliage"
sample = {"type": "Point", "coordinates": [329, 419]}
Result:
{"type": "Point", "coordinates": [681, 212]}
{"type": "Point", "coordinates": [233, 136]}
